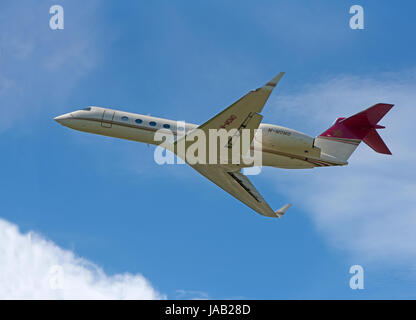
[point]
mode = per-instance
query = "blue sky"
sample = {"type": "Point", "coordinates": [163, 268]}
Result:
{"type": "Point", "coordinates": [107, 201]}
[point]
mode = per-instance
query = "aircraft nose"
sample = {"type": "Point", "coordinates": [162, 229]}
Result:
{"type": "Point", "coordinates": [63, 119]}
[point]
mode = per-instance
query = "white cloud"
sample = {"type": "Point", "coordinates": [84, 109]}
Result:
{"type": "Point", "coordinates": [34, 268]}
{"type": "Point", "coordinates": [191, 295]}
{"type": "Point", "coordinates": [368, 207]}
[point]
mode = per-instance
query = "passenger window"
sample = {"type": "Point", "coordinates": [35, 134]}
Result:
{"type": "Point", "coordinates": [152, 123]}
{"type": "Point", "coordinates": [167, 126]}
{"type": "Point", "coordinates": [124, 118]}
{"type": "Point", "coordinates": [139, 121]}
{"type": "Point", "coordinates": [180, 129]}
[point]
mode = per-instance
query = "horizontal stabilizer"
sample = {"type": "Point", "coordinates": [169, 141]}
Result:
{"type": "Point", "coordinates": [374, 141]}
{"type": "Point", "coordinates": [368, 117]}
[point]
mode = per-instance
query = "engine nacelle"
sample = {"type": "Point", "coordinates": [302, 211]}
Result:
{"type": "Point", "coordinates": [288, 141]}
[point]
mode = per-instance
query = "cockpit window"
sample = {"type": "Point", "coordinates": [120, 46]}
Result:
{"type": "Point", "coordinates": [87, 109]}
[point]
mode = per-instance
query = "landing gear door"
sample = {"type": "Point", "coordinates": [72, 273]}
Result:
{"type": "Point", "coordinates": [107, 119]}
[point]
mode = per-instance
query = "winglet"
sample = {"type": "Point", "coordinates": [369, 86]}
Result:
{"type": "Point", "coordinates": [272, 83]}
{"type": "Point", "coordinates": [282, 210]}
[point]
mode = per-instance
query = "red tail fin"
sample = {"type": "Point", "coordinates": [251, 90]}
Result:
{"type": "Point", "coordinates": [362, 126]}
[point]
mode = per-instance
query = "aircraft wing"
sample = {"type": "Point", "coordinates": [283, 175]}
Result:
{"type": "Point", "coordinates": [242, 114]}
{"type": "Point", "coordinates": [240, 187]}
{"type": "Point", "coordinates": [243, 109]}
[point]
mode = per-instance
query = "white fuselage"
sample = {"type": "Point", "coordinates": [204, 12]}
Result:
{"type": "Point", "coordinates": [281, 147]}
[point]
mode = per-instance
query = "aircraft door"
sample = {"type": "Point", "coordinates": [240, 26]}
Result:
{"type": "Point", "coordinates": [107, 119]}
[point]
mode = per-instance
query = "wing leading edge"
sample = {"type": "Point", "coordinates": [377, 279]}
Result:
{"type": "Point", "coordinates": [242, 114]}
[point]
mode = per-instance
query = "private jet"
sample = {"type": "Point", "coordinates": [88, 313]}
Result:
{"type": "Point", "coordinates": [280, 147]}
